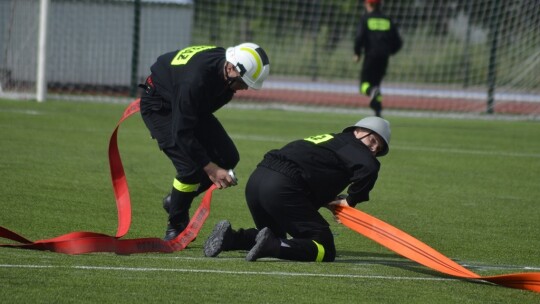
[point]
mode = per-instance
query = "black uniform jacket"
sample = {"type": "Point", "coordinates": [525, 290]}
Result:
{"type": "Point", "coordinates": [191, 84]}
{"type": "Point", "coordinates": [329, 163]}
{"type": "Point", "coordinates": [377, 35]}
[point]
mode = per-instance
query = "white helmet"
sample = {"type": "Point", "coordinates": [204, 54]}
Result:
{"type": "Point", "coordinates": [377, 125]}
{"type": "Point", "coordinates": [251, 61]}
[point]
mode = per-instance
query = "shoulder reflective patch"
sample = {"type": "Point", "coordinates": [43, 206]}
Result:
{"type": "Point", "coordinates": [183, 56]}
{"type": "Point", "coordinates": [317, 139]}
{"type": "Point", "coordinates": [378, 24]}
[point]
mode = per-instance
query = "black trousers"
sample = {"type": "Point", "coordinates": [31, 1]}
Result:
{"type": "Point", "coordinates": [209, 132]}
{"type": "Point", "coordinates": [281, 204]}
{"type": "Point", "coordinates": [373, 70]}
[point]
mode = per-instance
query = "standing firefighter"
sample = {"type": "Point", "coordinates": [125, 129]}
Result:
{"type": "Point", "coordinates": [291, 184]}
{"type": "Point", "coordinates": [377, 38]}
{"type": "Point", "coordinates": [180, 96]}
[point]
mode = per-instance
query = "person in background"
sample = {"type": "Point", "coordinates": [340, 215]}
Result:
{"type": "Point", "coordinates": [180, 96]}
{"type": "Point", "coordinates": [290, 185]}
{"type": "Point", "coordinates": [377, 38]}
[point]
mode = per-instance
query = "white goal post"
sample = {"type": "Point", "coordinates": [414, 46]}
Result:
{"type": "Point", "coordinates": [41, 80]}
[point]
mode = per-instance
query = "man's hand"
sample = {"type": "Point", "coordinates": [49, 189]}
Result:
{"type": "Point", "coordinates": [356, 58]}
{"type": "Point", "coordinates": [219, 176]}
{"type": "Point", "coordinates": [332, 207]}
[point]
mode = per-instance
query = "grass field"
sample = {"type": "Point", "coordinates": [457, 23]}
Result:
{"type": "Point", "coordinates": [467, 187]}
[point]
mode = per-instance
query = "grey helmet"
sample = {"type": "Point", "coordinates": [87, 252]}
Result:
{"type": "Point", "coordinates": [377, 125]}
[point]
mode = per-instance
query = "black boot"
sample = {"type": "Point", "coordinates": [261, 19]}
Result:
{"type": "Point", "coordinates": [375, 102]}
{"type": "Point", "coordinates": [173, 231]}
{"type": "Point", "coordinates": [179, 204]}
{"type": "Point", "coordinates": [167, 203]}
{"type": "Point", "coordinates": [224, 238]}
{"type": "Point", "coordinates": [266, 245]}
{"type": "Point", "coordinates": [219, 240]}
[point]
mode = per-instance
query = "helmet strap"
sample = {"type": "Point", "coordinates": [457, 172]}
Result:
{"type": "Point", "coordinates": [368, 134]}
{"type": "Point", "coordinates": [360, 139]}
{"type": "Point", "coordinates": [231, 80]}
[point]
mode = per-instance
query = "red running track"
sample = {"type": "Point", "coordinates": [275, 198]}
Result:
{"type": "Point", "coordinates": [390, 102]}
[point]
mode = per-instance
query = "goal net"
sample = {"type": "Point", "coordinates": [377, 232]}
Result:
{"type": "Point", "coordinates": [458, 56]}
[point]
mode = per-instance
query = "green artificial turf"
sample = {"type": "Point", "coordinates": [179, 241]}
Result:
{"type": "Point", "coordinates": [466, 187]}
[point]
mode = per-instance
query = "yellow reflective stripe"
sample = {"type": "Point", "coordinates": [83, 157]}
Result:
{"type": "Point", "coordinates": [320, 252]}
{"type": "Point", "coordinates": [178, 185]}
{"type": "Point", "coordinates": [378, 24]}
{"type": "Point", "coordinates": [317, 139]}
{"type": "Point", "coordinates": [183, 56]}
{"type": "Point", "coordinates": [257, 58]}
{"type": "Point", "coordinates": [364, 87]}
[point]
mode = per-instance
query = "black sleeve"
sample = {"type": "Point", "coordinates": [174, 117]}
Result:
{"type": "Point", "coordinates": [360, 38]}
{"type": "Point", "coordinates": [363, 167]}
{"type": "Point", "coordinates": [363, 182]}
{"type": "Point", "coordinates": [397, 41]}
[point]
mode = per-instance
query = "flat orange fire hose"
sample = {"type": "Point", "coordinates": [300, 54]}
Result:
{"type": "Point", "coordinates": [415, 250]}
{"type": "Point", "coordinates": [81, 242]}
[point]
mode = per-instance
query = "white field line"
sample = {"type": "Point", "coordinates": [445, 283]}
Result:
{"type": "Point", "coordinates": [475, 152]}
{"type": "Point", "coordinates": [268, 273]}
{"type": "Point", "coordinates": [398, 147]}
{"type": "Point", "coordinates": [263, 138]}
{"type": "Point", "coordinates": [25, 112]}
{"type": "Point", "coordinates": [213, 271]}
{"type": "Point", "coordinates": [470, 265]}
{"type": "Point", "coordinates": [323, 109]}
{"type": "Point", "coordinates": [350, 260]}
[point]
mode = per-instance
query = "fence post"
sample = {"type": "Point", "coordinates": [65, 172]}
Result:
{"type": "Point", "coordinates": [492, 67]}
{"type": "Point", "coordinates": [135, 47]}
{"type": "Point", "coordinates": [467, 46]}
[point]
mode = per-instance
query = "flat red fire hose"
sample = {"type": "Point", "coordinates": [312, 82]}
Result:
{"type": "Point", "coordinates": [86, 242]}
{"type": "Point", "coordinates": [363, 223]}
{"type": "Point", "coordinates": [413, 249]}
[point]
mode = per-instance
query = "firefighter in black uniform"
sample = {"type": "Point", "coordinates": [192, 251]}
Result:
{"type": "Point", "coordinates": [180, 96]}
{"type": "Point", "coordinates": [289, 185]}
{"type": "Point", "coordinates": [378, 38]}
